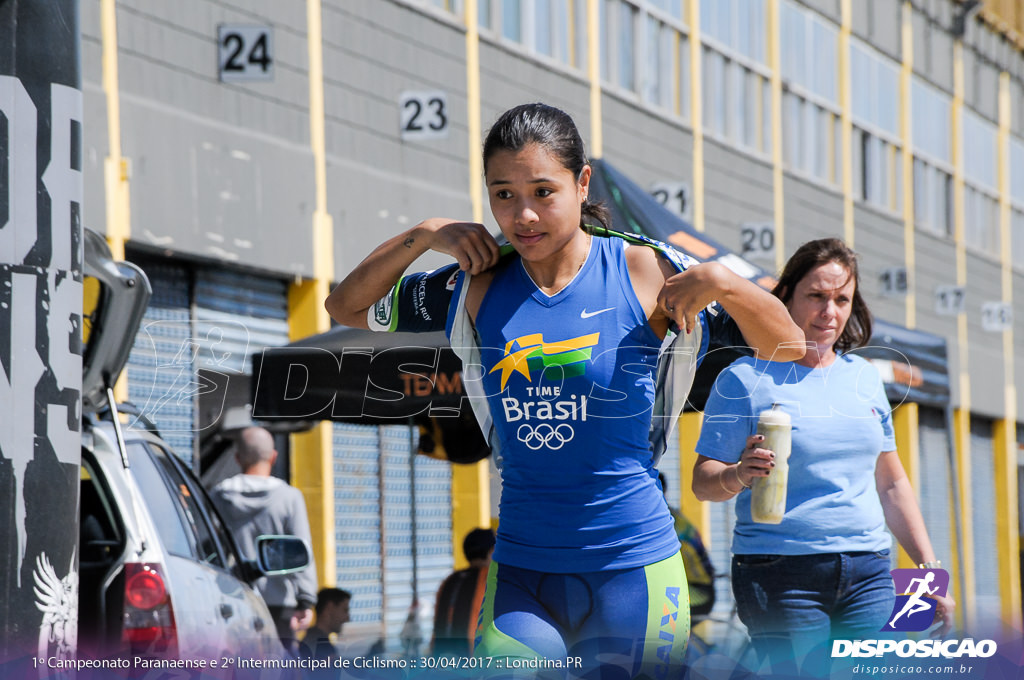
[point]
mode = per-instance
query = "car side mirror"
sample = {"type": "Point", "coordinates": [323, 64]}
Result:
{"type": "Point", "coordinates": [281, 555]}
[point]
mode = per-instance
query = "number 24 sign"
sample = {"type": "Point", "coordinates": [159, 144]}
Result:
{"type": "Point", "coordinates": [245, 52]}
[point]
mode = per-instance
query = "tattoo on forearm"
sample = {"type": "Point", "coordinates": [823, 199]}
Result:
{"type": "Point", "coordinates": [408, 242]}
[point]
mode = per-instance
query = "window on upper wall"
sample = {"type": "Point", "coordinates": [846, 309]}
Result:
{"type": "Point", "coordinates": [809, 53]}
{"type": "Point", "coordinates": [981, 197]}
{"type": "Point", "coordinates": [659, 46]}
{"type": "Point", "coordinates": [736, 83]}
{"type": "Point", "coordinates": [875, 96]}
{"type": "Point", "coordinates": [618, 42]}
{"type": "Point", "coordinates": [1017, 236]}
{"type": "Point", "coordinates": [626, 54]}
{"type": "Point", "coordinates": [684, 80]}
{"type": "Point", "coordinates": [932, 132]}
{"type": "Point", "coordinates": [876, 170]}
{"type": "Point", "coordinates": [715, 92]}
{"type": "Point", "coordinates": [1017, 201]}
{"type": "Point", "coordinates": [512, 20]}
{"type": "Point", "coordinates": [644, 50]}
{"type": "Point", "coordinates": [545, 27]}
{"type": "Point", "coordinates": [933, 198]}
{"type": "Point", "coordinates": [736, 25]}
{"type": "Point", "coordinates": [980, 158]}
{"type": "Point", "coordinates": [551, 19]}
{"type": "Point", "coordinates": [672, 8]}
{"type": "Point", "coordinates": [453, 6]}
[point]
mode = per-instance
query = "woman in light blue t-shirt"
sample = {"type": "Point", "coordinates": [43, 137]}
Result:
{"type": "Point", "coordinates": [823, 572]}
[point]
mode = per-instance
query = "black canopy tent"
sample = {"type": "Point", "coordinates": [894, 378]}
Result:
{"type": "Point", "coordinates": [359, 376]}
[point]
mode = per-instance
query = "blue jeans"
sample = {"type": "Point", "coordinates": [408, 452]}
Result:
{"type": "Point", "coordinates": [794, 605]}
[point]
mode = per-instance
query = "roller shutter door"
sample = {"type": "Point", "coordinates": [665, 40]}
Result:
{"type": "Point", "coordinates": [935, 483]}
{"type": "Point", "coordinates": [417, 532]}
{"type": "Point", "coordinates": [357, 526]}
{"type": "Point", "coordinates": [160, 367]}
{"type": "Point", "coordinates": [983, 521]}
{"type": "Point", "coordinates": [383, 529]}
{"type": "Point", "coordinates": [237, 314]}
{"type": "Point", "coordinates": [199, 319]}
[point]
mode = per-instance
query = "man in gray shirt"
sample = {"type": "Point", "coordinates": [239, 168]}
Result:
{"type": "Point", "coordinates": [254, 503]}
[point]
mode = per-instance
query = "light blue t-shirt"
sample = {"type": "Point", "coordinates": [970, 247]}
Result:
{"type": "Point", "coordinates": [841, 423]}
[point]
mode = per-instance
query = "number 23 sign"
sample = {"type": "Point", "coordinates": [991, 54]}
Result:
{"type": "Point", "coordinates": [424, 115]}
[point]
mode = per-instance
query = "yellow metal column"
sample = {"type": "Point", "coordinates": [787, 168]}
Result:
{"type": "Point", "coordinates": [962, 415]}
{"type": "Point", "coordinates": [697, 114]}
{"type": "Point", "coordinates": [594, 75]}
{"type": "Point", "coordinates": [778, 175]}
{"type": "Point", "coordinates": [473, 115]}
{"type": "Point", "coordinates": [905, 423]}
{"type": "Point", "coordinates": [312, 460]}
{"type": "Point", "coordinates": [906, 417]}
{"type": "Point", "coordinates": [115, 166]}
{"type": "Point", "coordinates": [1005, 430]}
{"type": "Point", "coordinates": [846, 120]}
{"type": "Point", "coordinates": [471, 488]}
{"type": "Point", "coordinates": [698, 512]}
{"type": "Point", "coordinates": [471, 504]}
{"type": "Point", "coordinates": [906, 133]}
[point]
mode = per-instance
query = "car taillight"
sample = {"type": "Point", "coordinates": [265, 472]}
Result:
{"type": "Point", "coordinates": [148, 616]}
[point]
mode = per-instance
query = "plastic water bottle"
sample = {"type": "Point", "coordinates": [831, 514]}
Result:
{"type": "Point", "coordinates": [768, 494]}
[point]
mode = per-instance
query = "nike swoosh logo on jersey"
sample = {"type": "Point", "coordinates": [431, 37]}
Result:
{"type": "Point", "coordinates": [586, 315]}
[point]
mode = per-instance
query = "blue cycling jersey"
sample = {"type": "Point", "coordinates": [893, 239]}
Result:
{"type": "Point", "coordinates": [576, 396]}
{"type": "Point", "coordinates": [570, 378]}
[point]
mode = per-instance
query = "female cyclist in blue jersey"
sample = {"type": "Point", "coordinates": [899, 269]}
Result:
{"type": "Point", "coordinates": [561, 328]}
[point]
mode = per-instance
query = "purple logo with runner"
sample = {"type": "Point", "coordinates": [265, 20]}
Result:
{"type": "Point", "coordinates": [916, 590]}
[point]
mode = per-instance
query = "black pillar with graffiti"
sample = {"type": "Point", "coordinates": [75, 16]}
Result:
{"type": "Point", "coordinates": [40, 330]}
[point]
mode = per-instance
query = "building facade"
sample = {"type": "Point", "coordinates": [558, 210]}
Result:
{"type": "Point", "coordinates": [249, 153]}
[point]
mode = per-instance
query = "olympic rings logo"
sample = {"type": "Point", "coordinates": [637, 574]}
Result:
{"type": "Point", "coordinates": [544, 435]}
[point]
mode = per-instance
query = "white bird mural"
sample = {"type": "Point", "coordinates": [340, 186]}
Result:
{"type": "Point", "coordinates": [57, 598]}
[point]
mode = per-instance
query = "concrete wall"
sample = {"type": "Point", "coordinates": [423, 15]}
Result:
{"type": "Point", "coordinates": [880, 243]}
{"type": "Point", "coordinates": [379, 184]}
{"type": "Point", "coordinates": [737, 191]}
{"type": "Point", "coordinates": [224, 171]}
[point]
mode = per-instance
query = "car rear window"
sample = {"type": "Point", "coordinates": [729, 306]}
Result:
{"type": "Point", "coordinates": [205, 544]}
{"type": "Point", "coordinates": [165, 512]}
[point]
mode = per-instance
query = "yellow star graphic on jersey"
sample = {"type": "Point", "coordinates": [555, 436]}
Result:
{"type": "Point", "coordinates": [533, 345]}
